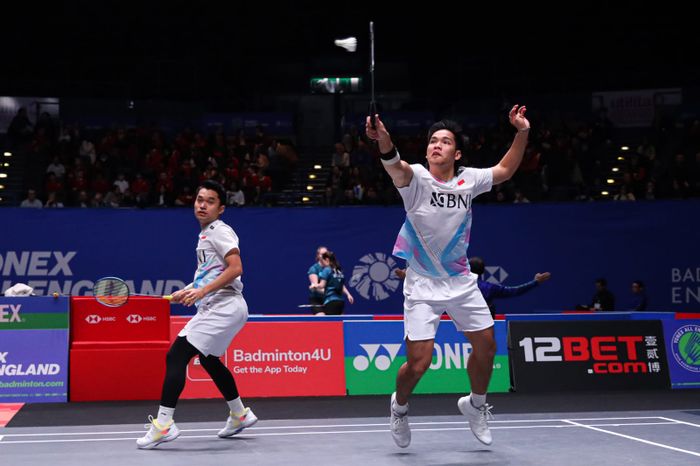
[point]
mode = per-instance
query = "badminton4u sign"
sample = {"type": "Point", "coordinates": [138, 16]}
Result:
{"type": "Point", "coordinates": [277, 359]}
{"type": "Point", "coordinates": [598, 354]}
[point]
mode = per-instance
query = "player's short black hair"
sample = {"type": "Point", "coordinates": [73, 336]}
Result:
{"type": "Point", "coordinates": [214, 186]}
{"type": "Point", "coordinates": [639, 283]}
{"type": "Point", "coordinates": [451, 126]}
{"type": "Point", "coordinates": [476, 265]}
{"type": "Point", "coordinates": [603, 282]}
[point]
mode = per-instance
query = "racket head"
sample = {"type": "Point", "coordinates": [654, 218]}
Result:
{"type": "Point", "coordinates": [111, 291]}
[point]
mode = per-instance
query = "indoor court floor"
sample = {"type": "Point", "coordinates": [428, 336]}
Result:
{"type": "Point", "coordinates": [582, 428]}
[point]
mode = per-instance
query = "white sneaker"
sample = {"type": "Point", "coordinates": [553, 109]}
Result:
{"type": "Point", "coordinates": [478, 419]}
{"type": "Point", "coordinates": [400, 430]}
{"type": "Point", "coordinates": [157, 434]}
{"type": "Point", "coordinates": [235, 424]}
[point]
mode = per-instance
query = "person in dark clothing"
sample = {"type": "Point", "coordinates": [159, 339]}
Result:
{"type": "Point", "coordinates": [638, 302]}
{"type": "Point", "coordinates": [491, 291]}
{"type": "Point", "coordinates": [603, 299]}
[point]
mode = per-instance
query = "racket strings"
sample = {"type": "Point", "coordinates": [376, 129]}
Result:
{"type": "Point", "coordinates": [111, 292]}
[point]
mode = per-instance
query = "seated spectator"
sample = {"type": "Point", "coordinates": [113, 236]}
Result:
{"type": "Point", "coordinates": [31, 201]}
{"type": "Point", "coordinates": [186, 198]}
{"type": "Point", "coordinates": [52, 201]}
{"type": "Point", "coordinates": [234, 196]}
{"type": "Point", "coordinates": [121, 183]}
{"type": "Point", "coordinates": [57, 168]}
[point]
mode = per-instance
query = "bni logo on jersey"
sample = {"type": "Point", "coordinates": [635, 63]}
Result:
{"type": "Point", "coordinates": [374, 277]}
{"type": "Point", "coordinates": [685, 345]}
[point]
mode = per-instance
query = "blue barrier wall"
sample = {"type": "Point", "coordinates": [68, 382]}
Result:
{"type": "Point", "coordinates": [66, 250]}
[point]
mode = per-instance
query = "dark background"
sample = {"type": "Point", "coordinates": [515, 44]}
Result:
{"type": "Point", "coordinates": [232, 52]}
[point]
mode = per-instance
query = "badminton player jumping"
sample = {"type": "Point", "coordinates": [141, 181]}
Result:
{"type": "Point", "coordinates": [221, 314]}
{"type": "Point", "coordinates": [434, 240]}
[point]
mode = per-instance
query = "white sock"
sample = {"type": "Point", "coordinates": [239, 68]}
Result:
{"type": "Point", "coordinates": [400, 409]}
{"type": "Point", "coordinates": [165, 415]}
{"type": "Point", "coordinates": [477, 400]}
{"type": "Point", "coordinates": [236, 407]}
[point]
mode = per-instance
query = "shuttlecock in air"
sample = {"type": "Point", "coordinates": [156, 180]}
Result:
{"type": "Point", "coordinates": [349, 44]}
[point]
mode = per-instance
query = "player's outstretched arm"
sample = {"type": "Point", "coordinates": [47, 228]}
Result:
{"type": "Point", "coordinates": [505, 169]}
{"type": "Point", "coordinates": [399, 171]}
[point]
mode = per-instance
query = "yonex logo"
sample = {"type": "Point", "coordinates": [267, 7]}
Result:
{"type": "Point", "coordinates": [134, 318]}
{"type": "Point", "coordinates": [495, 274]}
{"type": "Point", "coordinates": [93, 319]}
{"type": "Point", "coordinates": [381, 362]}
{"type": "Point", "coordinates": [374, 278]}
{"type": "Point", "coordinates": [10, 312]}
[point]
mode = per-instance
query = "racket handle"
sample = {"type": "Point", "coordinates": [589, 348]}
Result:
{"type": "Point", "coordinates": [372, 113]}
{"type": "Point", "coordinates": [168, 297]}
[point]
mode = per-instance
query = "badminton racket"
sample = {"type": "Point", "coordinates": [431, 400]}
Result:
{"type": "Point", "coordinates": [372, 102]}
{"type": "Point", "coordinates": [114, 292]}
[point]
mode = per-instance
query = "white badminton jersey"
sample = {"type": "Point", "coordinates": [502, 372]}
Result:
{"type": "Point", "coordinates": [435, 236]}
{"type": "Point", "coordinates": [215, 241]}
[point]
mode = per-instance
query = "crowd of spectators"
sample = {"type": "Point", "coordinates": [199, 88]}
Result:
{"type": "Point", "coordinates": [141, 167]}
{"type": "Point", "coordinates": [569, 160]}
{"type": "Point", "coordinates": [565, 161]}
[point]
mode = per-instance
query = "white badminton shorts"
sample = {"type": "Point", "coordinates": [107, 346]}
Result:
{"type": "Point", "coordinates": [426, 299]}
{"type": "Point", "coordinates": [219, 318]}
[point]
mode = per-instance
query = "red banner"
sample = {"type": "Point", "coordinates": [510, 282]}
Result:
{"type": "Point", "coordinates": [276, 359]}
{"type": "Point", "coordinates": [140, 319]}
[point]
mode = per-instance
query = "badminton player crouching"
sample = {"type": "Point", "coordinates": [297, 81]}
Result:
{"type": "Point", "coordinates": [221, 314]}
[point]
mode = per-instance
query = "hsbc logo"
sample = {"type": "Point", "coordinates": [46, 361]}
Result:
{"type": "Point", "coordinates": [451, 200]}
{"type": "Point", "coordinates": [137, 318]}
{"type": "Point", "coordinates": [495, 274]}
{"type": "Point", "coordinates": [381, 362]}
{"type": "Point", "coordinates": [95, 319]}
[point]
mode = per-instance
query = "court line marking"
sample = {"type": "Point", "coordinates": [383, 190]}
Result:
{"type": "Point", "coordinates": [680, 422]}
{"type": "Point", "coordinates": [325, 432]}
{"type": "Point", "coordinates": [329, 426]}
{"type": "Point", "coordinates": [636, 439]}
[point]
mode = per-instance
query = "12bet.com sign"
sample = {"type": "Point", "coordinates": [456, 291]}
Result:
{"type": "Point", "coordinates": [557, 355]}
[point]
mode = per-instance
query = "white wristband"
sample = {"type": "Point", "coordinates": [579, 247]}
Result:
{"type": "Point", "coordinates": [392, 160]}
{"type": "Point", "coordinates": [524, 130]}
